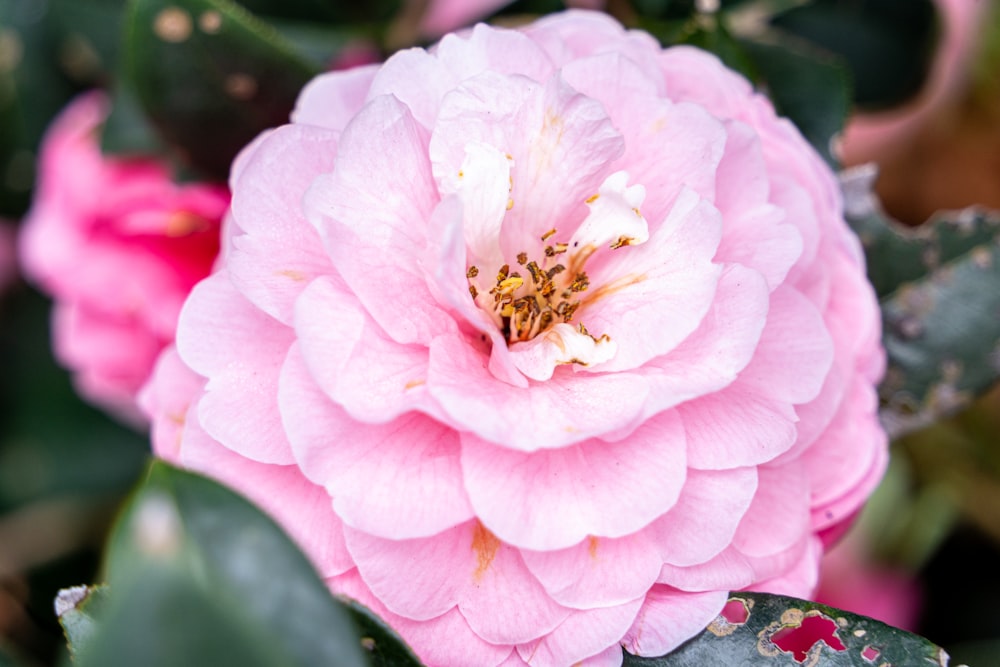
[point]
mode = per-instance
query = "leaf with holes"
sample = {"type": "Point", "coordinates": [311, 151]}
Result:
{"type": "Point", "coordinates": [773, 630]}
{"type": "Point", "coordinates": [210, 75]}
{"type": "Point", "coordinates": [939, 286]}
{"type": "Point", "coordinates": [200, 577]}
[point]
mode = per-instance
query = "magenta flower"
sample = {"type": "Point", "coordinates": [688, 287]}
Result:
{"type": "Point", "coordinates": [539, 343]}
{"type": "Point", "coordinates": [118, 245]}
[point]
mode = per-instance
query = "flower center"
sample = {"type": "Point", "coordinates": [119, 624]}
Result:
{"type": "Point", "coordinates": [547, 290]}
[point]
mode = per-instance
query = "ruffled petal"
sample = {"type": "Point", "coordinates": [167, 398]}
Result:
{"type": "Point", "coordinates": [555, 498]}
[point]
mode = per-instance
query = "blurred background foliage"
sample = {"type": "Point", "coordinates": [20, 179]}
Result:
{"type": "Point", "coordinates": [65, 467]}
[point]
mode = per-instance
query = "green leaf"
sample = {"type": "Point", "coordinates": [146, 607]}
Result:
{"type": "Point", "coordinates": [778, 630]}
{"type": "Point", "coordinates": [808, 86]}
{"type": "Point", "coordinates": [939, 286]}
{"type": "Point", "coordinates": [887, 44]}
{"type": "Point", "coordinates": [384, 647]}
{"type": "Point", "coordinates": [899, 254]}
{"type": "Point", "coordinates": [200, 577]}
{"type": "Point", "coordinates": [210, 75]}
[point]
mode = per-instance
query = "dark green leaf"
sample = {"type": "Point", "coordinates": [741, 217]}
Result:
{"type": "Point", "coordinates": [898, 254]}
{"type": "Point", "coordinates": [712, 35]}
{"type": "Point", "coordinates": [887, 44]}
{"type": "Point", "coordinates": [384, 647]}
{"type": "Point", "coordinates": [809, 87]}
{"type": "Point", "coordinates": [200, 577]}
{"type": "Point", "coordinates": [210, 75]}
{"type": "Point", "coordinates": [939, 286]}
{"type": "Point", "coordinates": [826, 636]}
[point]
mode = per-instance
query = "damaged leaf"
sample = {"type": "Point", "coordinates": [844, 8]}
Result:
{"type": "Point", "coordinates": [758, 629]}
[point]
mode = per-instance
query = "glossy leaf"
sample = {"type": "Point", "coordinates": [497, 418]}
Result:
{"type": "Point", "coordinates": [210, 75]}
{"type": "Point", "coordinates": [887, 44]}
{"type": "Point", "coordinates": [778, 630]}
{"type": "Point", "coordinates": [939, 286]}
{"type": "Point", "coordinates": [201, 577]}
{"type": "Point", "coordinates": [808, 86]}
{"type": "Point", "coordinates": [383, 646]}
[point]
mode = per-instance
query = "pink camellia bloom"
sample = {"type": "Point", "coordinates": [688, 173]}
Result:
{"type": "Point", "coordinates": [118, 245]}
{"type": "Point", "coordinates": [539, 343]}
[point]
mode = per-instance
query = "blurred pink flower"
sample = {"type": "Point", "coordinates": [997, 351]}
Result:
{"type": "Point", "coordinates": [872, 137]}
{"type": "Point", "coordinates": [539, 343]}
{"type": "Point", "coordinates": [852, 581]}
{"type": "Point", "coordinates": [118, 245]}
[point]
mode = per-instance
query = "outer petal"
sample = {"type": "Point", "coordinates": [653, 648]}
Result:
{"type": "Point", "coordinates": [669, 617]}
{"type": "Point", "coordinates": [554, 498]}
{"type": "Point", "coordinates": [447, 640]}
{"type": "Point", "coordinates": [165, 400]}
{"type": "Point", "coordinates": [242, 359]}
{"type": "Point", "coordinates": [400, 479]}
{"type": "Point", "coordinates": [301, 507]}
{"type": "Point", "coordinates": [332, 99]}
{"type": "Point", "coordinates": [779, 513]}
{"type": "Point", "coordinates": [466, 566]}
{"type": "Point", "coordinates": [598, 572]}
{"type": "Point", "coordinates": [582, 635]}
{"type": "Point", "coordinates": [702, 523]}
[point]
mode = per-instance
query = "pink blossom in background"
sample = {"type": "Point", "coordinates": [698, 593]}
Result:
{"type": "Point", "coordinates": [118, 245]}
{"type": "Point", "coordinates": [851, 580]}
{"type": "Point", "coordinates": [538, 343]}
{"type": "Point", "coordinates": [875, 136]}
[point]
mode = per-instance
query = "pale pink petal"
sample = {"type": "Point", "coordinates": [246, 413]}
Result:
{"type": "Point", "coordinates": [467, 566]}
{"type": "Point", "coordinates": [582, 635]}
{"type": "Point", "coordinates": [756, 232]}
{"type": "Point", "coordinates": [563, 410]}
{"type": "Point", "coordinates": [711, 357]}
{"type": "Point", "coordinates": [730, 570]}
{"type": "Point", "coordinates": [373, 378]}
{"type": "Point", "coordinates": [597, 572]}
{"type": "Point", "coordinates": [779, 513]}
{"type": "Point", "coordinates": [650, 297]}
{"type": "Point", "coordinates": [240, 407]}
{"type": "Point", "coordinates": [795, 351]}
{"type": "Point", "coordinates": [332, 99]}
{"type": "Point", "coordinates": [736, 427]}
{"type": "Point", "coordinates": [446, 640]}
{"type": "Point", "coordinates": [443, 16]}
{"type": "Point", "coordinates": [372, 213]}
{"type": "Point", "coordinates": [400, 479]}
{"type": "Point", "coordinates": [555, 498]}
{"type": "Point", "coordinates": [301, 507]}
{"type": "Point", "coordinates": [801, 580]}
{"type": "Point", "coordinates": [670, 617]}
{"type": "Point", "coordinates": [165, 400]}
{"type": "Point", "coordinates": [702, 523]}
{"type": "Point", "coordinates": [418, 80]}
{"type": "Point", "coordinates": [485, 49]}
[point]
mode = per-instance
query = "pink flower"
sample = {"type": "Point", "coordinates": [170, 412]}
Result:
{"type": "Point", "coordinates": [539, 343]}
{"type": "Point", "coordinates": [877, 136]}
{"type": "Point", "coordinates": [851, 580]}
{"type": "Point", "coordinates": [118, 245]}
